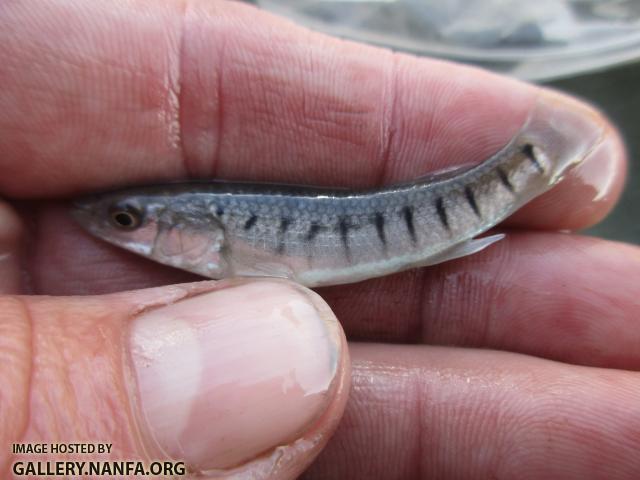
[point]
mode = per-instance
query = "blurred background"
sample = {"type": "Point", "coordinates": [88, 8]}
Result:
{"type": "Point", "coordinates": [590, 48]}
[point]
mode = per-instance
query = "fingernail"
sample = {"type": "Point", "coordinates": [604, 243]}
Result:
{"type": "Point", "coordinates": [582, 132]}
{"type": "Point", "coordinates": [603, 170]}
{"type": "Point", "coordinates": [566, 129]}
{"type": "Point", "coordinates": [226, 376]}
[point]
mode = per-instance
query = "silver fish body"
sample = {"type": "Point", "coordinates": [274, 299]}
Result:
{"type": "Point", "coordinates": [320, 236]}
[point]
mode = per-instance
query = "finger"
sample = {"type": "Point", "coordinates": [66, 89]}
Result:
{"type": "Point", "coordinates": [429, 412]}
{"type": "Point", "coordinates": [558, 296]}
{"type": "Point", "coordinates": [163, 91]}
{"type": "Point", "coordinates": [195, 366]}
{"type": "Point", "coordinates": [11, 238]}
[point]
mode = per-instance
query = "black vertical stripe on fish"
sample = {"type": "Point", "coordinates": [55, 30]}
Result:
{"type": "Point", "coordinates": [378, 220]}
{"type": "Point", "coordinates": [314, 230]}
{"type": "Point", "coordinates": [531, 155]}
{"type": "Point", "coordinates": [343, 226]}
{"type": "Point", "coordinates": [504, 178]}
{"type": "Point", "coordinates": [407, 213]}
{"type": "Point", "coordinates": [471, 198]}
{"type": "Point", "coordinates": [284, 225]}
{"type": "Point", "coordinates": [442, 213]}
{"type": "Point", "coordinates": [250, 222]}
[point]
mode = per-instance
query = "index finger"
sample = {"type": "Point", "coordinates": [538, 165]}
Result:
{"type": "Point", "coordinates": [146, 91]}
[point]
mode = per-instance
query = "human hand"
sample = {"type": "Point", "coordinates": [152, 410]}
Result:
{"type": "Point", "coordinates": [96, 96]}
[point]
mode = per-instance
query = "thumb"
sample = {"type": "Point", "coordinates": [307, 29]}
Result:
{"type": "Point", "coordinates": [245, 378]}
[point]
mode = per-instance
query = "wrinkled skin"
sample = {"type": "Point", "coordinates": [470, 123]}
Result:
{"type": "Point", "coordinates": [523, 358]}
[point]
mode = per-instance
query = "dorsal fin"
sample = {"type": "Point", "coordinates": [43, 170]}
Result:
{"type": "Point", "coordinates": [437, 176]}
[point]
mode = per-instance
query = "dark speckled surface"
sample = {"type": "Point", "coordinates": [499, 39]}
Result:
{"type": "Point", "coordinates": [617, 92]}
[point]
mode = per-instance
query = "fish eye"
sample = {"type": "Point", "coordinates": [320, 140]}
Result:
{"type": "Point", "coordinates": [125, 217]}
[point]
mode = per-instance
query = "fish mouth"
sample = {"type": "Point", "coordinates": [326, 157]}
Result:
{"type": "Point", "coordinates": [82, 216]}
{"type": "Point", "coordinates": [84, 211]}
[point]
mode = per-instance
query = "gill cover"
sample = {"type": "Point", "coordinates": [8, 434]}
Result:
{"type": "Point", "coordinates": [192, 244]}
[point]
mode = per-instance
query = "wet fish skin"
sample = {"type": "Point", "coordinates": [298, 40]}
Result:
{"type": "Point", "coordinates": [324, 236]}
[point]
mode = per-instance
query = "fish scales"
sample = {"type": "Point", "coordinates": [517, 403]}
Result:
{"type": "Point", "coordinates": [323, 236]}
{"type": "Point", "coordinates": [348, 233]}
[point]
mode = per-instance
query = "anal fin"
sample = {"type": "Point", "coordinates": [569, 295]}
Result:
{"type": "Point", "coordinates": [267, 269]}
{"type": "Point", "coordinates": [463, 249]}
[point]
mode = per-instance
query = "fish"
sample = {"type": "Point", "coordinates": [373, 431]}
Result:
{"type": "Point", "coordinates": [319, 236]}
